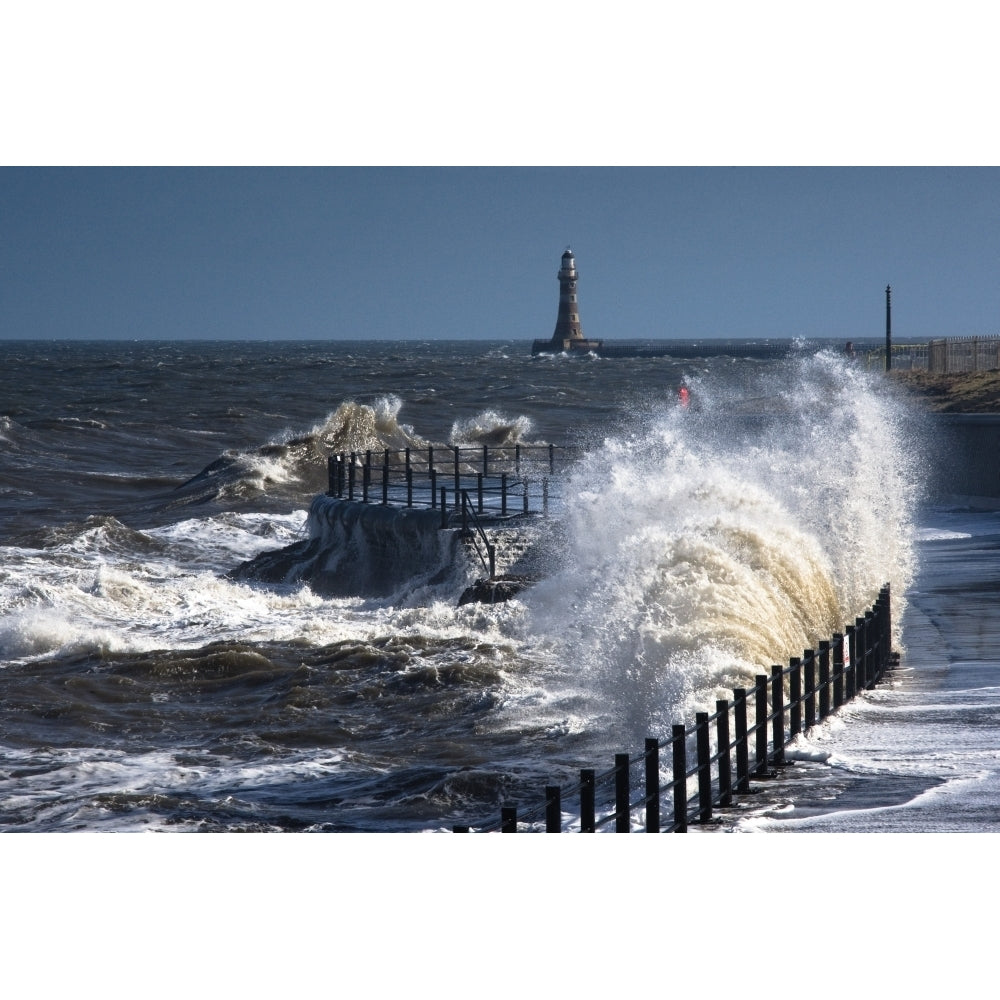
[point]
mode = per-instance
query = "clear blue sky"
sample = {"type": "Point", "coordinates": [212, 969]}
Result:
{"type": "Point", "coordinates": [472, 252]}
{"type": "Point", "coordinates": [384, 253]}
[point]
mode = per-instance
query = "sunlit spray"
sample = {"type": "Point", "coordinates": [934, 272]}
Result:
{"type": "Point", "coordinates": [726, 535]}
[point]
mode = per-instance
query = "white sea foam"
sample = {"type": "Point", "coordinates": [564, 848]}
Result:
{"type": "Point", "coordinates": [728, 538]}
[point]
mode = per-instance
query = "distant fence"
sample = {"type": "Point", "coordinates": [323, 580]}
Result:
{"type": "Point", "coordinates": [499, 481]}
{"type": "Point", "coordinates": [948, 355]}
{"type": "Point", "coordinates": [728, 752]}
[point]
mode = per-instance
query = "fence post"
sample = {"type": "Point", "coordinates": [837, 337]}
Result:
{"type": "Point", "coordinates": [545, 496]}
{"type": "Point", "coordinates": [385, 479]}
{"type": "Point", "coordinates": [622, 818]}
{"type": "Point", "coordinates": [838, 670]}
{"type": "Point", "coordinates": [704, 767]}
{"type": "Point", "coordinates": [351, 476]}
{"type": "Point", "coordinates": [458, 481]}
{"type": "Point", "coordinates": [526, 496]}
{"type": "Point", "coordinates": [652, 784]}
{"type": "Point", "coordinates": [409, 483]}
{"type": "Point", "coordinates": [553, 809]}
{"type": "Point", "coordinates": [777, 715]}
{"type": "Point", "coordinates": [552, 459]}
{"type": "Point", "coordinates": [341, 469]}
{"type": "Point", "coordinates": [479, 492]}
{"type": "Point", "coordinates": [760, 725]}
{"type": "Point", "coordinates": [587, 800]}
{"type": "Point", "coordinates": [824, 679]}
{"type": "Point", "coordinates": [861, 639]}
{"type": "Point", "coordinates": [517, 459]}
{"type": "Point", "coordinates": [433, 487]}
{"type": "Point", "coordinates": [366, 478]}
{"type": "Point", "coordinates": [503, 493]}
{"type": "Point", "coordinates": [742, 744]}
{"type": "Point", "coordinates": [810, 665]}
{"type": "Point", "coordinates": [331, 476]}
{"type": "Point", "coordinates": [680, 779]}
{"type": "Point", "coordinates": [794, 697]}
{"type": "Point", "coordinates": [851, 662]}
{"type": "Point", "coordinates": [508, 819]}
{"type": "Point", "coordinates": [725, 752]}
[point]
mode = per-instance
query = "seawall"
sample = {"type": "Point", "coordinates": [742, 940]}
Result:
{"type": "Point", "coordinates": [371, 550]}
{"type": "Point", "coordinates": [963, 458]}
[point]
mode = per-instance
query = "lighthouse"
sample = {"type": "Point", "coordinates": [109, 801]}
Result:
{"type": "Point", "coordinates": [568, 335]}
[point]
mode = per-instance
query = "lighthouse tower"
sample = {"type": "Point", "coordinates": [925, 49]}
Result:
{"type": "Point", "coordinates": [568, 335]}
{"type": "Point", "coordinates": [568, 321]}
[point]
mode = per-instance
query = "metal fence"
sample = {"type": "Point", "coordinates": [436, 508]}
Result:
{"type": "Point", "coordinates": [947, 355]}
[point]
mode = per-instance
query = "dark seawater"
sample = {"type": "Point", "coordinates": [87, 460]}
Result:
{"type": "Point", "coordinates": [141, 688]}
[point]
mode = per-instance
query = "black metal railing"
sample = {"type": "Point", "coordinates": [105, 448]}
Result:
{"type": "Point", "coordinates": [786, 703]}
{"type": "Point", "coordinates": [505, 481]}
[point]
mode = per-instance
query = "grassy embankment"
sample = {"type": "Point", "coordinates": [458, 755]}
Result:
{"type": "Point", "coordinates": [966, 392]}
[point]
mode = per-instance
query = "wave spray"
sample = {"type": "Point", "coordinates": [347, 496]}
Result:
{"type": "Point", "coordinates": [711, 540]}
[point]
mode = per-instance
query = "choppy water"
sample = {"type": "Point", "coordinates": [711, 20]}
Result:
{"type": "Point", "coordinates": [144, 689]}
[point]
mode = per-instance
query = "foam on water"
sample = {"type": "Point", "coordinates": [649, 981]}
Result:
{"type": "Point", "coordinates": [731, 536]}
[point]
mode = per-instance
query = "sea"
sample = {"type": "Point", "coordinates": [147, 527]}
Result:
{"type": "Point", "coordinates": [146, 688]}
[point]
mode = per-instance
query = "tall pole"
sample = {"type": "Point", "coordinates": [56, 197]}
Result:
{"type": "Point", "coordinates": [888, 327]}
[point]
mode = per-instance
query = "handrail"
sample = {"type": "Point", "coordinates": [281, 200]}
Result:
{"type": "Point", "coordinates": [852, 661]}
{"type": "Point", "coordinates": [490, 562]}
{"type": "Point", "coordinates": [500, 476]}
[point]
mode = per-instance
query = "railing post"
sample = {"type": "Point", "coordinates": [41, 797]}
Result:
{"type": "Point", "coordinates": [433, 487]}
{"type": "Point", "coordinates": [351, 476]}
{"type": "Point", "coordinates": [517, 459]}
{"type": "Point", "coordinates": [861, 638]}
{"type": "Point", "coordinates": [777, 714]}
{"type": "Point", "coordinates": [838, 670]}
{"type": "Point", "coordinates": [458, 481]}
{"type": "Point", "coordinates": [444, 507]}
{"type": "Point", "coordinates": [552, 459]}
{"type": "Point", "coordinates": [680, 778]}
{"type": "Point", "coordinates": [486, 459]}
{"type": "Point", "coordinates": [623, 822]}
{"type": "Point", "coordinates": [760, 725]}
{"type": "Point", "coordinates": [704, 767]}
{"type": "Point", "coordinates": [508, 819]}
{"type": "Point", "coordinates": [794, 697]}
{"type": "Point", "coordinates": [851, 662]}
{"type": "Point", "coordinates": [652, 758]}
{"type": "Point", "coordinates": [430, 460]}
{"type": "Point", "coordinates": [331, 476]}
{"type": "Point", "coordinates": [341, 469]}
{"type": "Point", "coordinates": [553, 809]}
{"type": "Point", "coordinates": [479, 492]}
{"type": "Point", "coordinates": [871, 642]}
{"type": "Point", "coordinates": [366, 478]}
{"type": "Point", "coordinates": [824, 679]}
{"type": "Point", "coordinates": [725, 752]}
{"type": "Point", "coordinates": [545, 496]}
{"type": "Point", "coordinates": [526, 496]}
{"type": "Point", "coordinates": [409, 483]}
{"type": "Point", "coordinates": [809, 662]}
{"type": "Point", "coordinates": [465, 514]}
{"type": "Point", "coordinates": [503, 493]}
{"type": "Point", "coordinates": [491, 551]}
{"type": "Point", "coordinates": [587, 822]}
{"type": "Point", "coordinates": [742, 743]}
{"type": "Point", "coordinates": [385, 479]}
